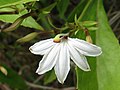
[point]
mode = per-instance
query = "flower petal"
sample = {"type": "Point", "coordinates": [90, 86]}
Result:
{"type": "Point", "coordinates": [79, 59]}
{"type": "Point", "coordinates": [62, 66]}
{"type": "Point", "coordinates": [49, 60]}
{"type": "Point", "coordinates": [85, 48]}
{"type": "Point", "coordinates": [42, 47]}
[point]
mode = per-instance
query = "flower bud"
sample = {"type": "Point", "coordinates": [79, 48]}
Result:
{"type": "Point", "coordinates": [89, 39]}
{"type": "Point", "coordinates": [88, 23]}
{"type": "Point", "coordinates": [92, 28]}
{"type": "Point", "coordinates": [28, 37]}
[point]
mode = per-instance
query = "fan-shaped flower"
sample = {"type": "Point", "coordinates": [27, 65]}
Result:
{"type": "Point", "coordinates": [58, 51]}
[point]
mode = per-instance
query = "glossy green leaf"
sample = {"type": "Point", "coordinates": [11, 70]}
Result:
{"type": "Point", "coordinates": [4, 3]}
{"type": "Point", "coordinates": [28, 22]}
{"type": "Point", "coordinates": [13, 79]}
{"type": "Point", "coordinates": [108, 68]}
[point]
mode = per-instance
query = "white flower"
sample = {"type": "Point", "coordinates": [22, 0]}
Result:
{"type": "Point", "coordinates": [58, 51]}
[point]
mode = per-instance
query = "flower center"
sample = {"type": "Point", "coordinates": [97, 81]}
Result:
{"type": "Point", "coordinates": [60, 37]}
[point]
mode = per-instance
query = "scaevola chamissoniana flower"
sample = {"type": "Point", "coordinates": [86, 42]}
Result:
{"type": "Point", "coordinates": [59, 50]}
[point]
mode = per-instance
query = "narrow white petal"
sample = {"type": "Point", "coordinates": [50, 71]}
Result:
{"type": "Point", "coordinates": [42, 47]}
{"type": "Point", "coordinates": [85, 48]}
{"type": "Point", "coordinates": [79, 59]}
{"type": "Point", "coordinates": [49, 60]}
{"type": "Point", "coordinates": [62, 66]}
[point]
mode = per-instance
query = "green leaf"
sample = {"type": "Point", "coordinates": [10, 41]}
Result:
{"type": "Point", "coordinates": [31, 23]}
{"type": "Point", "coordinates": [88, 80]}
{"type": "Point", "coordinates": [77, 10]}
{"type": "Point", "coordinates": [7, 9]}
{"type": "Point", "coordinates": [15, 24]}
{"type": "Point", "coordinates": [49, 77]}
{"type": "Point", "coordinates": [108, 68]}
{"type": "Point", "coordinates": [28, 22]}
{"type": "Point", "coordinates": [4, 3]}
{"type": "Point", "coordinates": [13, 79]}
{"type": "Point", "coordinates": [44, 21]}
{"type": "Point", "coordinates": [62, 7]}
{"type": "Point", "coordinates": [104, 74]}
{"type": "Point", "coordinates": [44, 12]}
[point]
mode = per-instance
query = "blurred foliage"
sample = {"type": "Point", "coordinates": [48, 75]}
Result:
{"type": "Point", "coordinates": [13, 79]}
{"type": "Point", "coordinates": [21, 64]}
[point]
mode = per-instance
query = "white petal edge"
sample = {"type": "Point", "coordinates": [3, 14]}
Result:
{"type": "Point", "coordinates": [62, 66]}
{"type": "Point", "coordinates": [42, 47]}
{"type": "Point", "coordinates": [49, 60]}
{"type": "Point", "coordinates": [79, 59]}
{"type": "Point", "coordinates": [85, 48]}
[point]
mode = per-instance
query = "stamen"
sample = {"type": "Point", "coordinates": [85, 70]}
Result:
{"type": "Point", "coordinates": [65, 37]}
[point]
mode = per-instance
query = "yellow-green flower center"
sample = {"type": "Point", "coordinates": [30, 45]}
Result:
{"type": "Point", "coordinates": [59, 37]}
